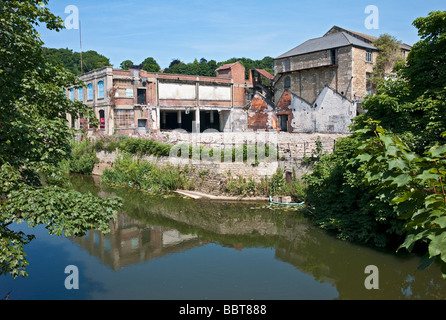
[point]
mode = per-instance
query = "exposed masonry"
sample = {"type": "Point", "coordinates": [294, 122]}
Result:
{"type": "Point", "coordinates": [292, 148]}
{"type": "Point", "coordinates": [317, 88]}
{"type": "Point", "coordinates": [330, 113]}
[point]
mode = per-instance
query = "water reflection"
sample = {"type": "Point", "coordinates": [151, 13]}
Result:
{"type": "Point", "coordinates": [154, 226]}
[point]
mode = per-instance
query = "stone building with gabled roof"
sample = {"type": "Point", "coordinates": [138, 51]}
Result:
{"type": "Point", "coordinates": [339, 61]}
{"type": "Point", "coordinates": [320, 84]}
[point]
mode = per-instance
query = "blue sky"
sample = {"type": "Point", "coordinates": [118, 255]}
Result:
{"type": "Point", "coordinates": [220, 30]}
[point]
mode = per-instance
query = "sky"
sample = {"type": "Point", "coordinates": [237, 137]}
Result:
{"type": "Point", "coordinates": [220, 30]}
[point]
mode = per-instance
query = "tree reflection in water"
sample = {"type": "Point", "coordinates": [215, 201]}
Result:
{"type": "Point", "coordinates": [156, 225]}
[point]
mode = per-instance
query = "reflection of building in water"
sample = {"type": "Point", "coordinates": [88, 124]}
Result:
{"type": "Point", "coordinates": [130, 242]}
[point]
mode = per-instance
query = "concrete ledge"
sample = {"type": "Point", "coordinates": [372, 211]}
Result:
{"type": "Point", "coordinates": [201, 195]}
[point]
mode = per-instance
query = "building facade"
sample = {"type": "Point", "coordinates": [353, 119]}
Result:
{"type": "Point", "coordinates": [136, 101]}
{"type": "Point", "coordinates": [319, 85]}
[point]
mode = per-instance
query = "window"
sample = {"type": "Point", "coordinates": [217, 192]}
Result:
{"type": "Point", "coordinates": [334, 56]}
{"type": "Point", "coordinates": [124, 118]}
{"type": "Point", "coordinates": [81, 94]}
{"type": "Point", "coordinates": [100, 89]}
{"type": "Point", "coordinates": [102, 119]}
{"type": "Point", "coordinates": [90, 91]}
{"type": "Point", "coordinates": [368, 56]}
{"type": "Point", "coordinates": [287, 83]}
{"type": "Point", "coordinates": [72, 93]}
{"type": "Point", "coordinates": [141, 96]}
{"type": "Point", "coordinates": [286, 65]}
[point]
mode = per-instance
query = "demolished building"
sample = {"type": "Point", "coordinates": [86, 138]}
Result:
{"type": "Point", "coordinates": [136, 101]}
{"type": "Point", "coordinates": [319, 85]}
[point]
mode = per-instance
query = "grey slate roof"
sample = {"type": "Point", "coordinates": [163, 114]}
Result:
{"type": "Point", "coordinates": [336, 40]}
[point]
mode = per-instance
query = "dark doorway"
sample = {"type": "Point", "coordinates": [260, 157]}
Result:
{"type": "Point", "coordinates": [283, 122]}
{"type": "Point", "coordinates": [169, 120]}
{"type": "Point", "coordinates": [141, 96]}
{"type": "Point", "coordinates": [209, 120]}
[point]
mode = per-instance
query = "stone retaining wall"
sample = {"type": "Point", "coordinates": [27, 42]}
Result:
{"type": "Point", "coordinates": [292, 148]}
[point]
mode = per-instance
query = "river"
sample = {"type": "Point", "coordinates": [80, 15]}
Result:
{"type": "Point", "coordinates": [169, 247]}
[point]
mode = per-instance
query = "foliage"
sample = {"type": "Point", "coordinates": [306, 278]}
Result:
{"type": "Point", "coordinates": [383, 184]}
{"type": "Point", "coordinates": [343, 204]}
{"type": "Point", "coordinates": [150, 65]}
{"type": "Point", "coordinates": [202, 68]}
{"type": "Point", "coordinates": [35, 137]}
{"type": "Point", "coordinates": [140, 146]}
{"type": "Point", "coordinates": [389, 55]}
{"type": "Point", "coordinates": [126, 64]}
{"type": "Point", "coordinates": [144, 175]}
{"type": "Point", "coordinates": [70, 60]}
{"type": "Point", "coordinates": [426, 62]}
{"type": "Point", "coordinates": [207, 68]}
{"type": "Point", "coordinates": [83, 157]}
{"type": "Point", "coordinates": [412, 183]}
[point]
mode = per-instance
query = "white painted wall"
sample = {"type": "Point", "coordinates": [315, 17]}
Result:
{"type": "Point", "coordinates": [331, 112]}
{"type": "Point", "coordinates": [177, 91]}
{"type": "Point", "coordinates": [215, 93]}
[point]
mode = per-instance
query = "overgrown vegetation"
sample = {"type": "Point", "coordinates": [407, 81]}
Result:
{"type": "Point", "coordinates": [383, 185]}
{"type": "Point", "coordinates": [35, 138]}
{"type": "Point", "coordinates": [144, 175]}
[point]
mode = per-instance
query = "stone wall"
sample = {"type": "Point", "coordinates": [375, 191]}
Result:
{"type": "Point", "coordinates": [292, 148]}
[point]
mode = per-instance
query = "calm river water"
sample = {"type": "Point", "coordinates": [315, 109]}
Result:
{"type": "Point", "coordinates": [175, 248]}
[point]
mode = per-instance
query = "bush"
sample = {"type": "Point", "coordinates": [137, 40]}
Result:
{"type": "Point", "coordinates": [144, 175]}
{"type": "Point", "coordinates": [83, 157]}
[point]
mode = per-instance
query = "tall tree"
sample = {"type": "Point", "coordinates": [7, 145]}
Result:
{"type": "Point", "coordinates": [70, 60]}
{"type": "Point", "coordinates": [126, 64]}
{"type": "Point", "coordinates": [426, 62]}
{"type": "Point", "coordinates": [150, 65]}
{"type": "Point", "coordinates": [388, 56]}
{"type": "Point", "coordinates": [35, 137]}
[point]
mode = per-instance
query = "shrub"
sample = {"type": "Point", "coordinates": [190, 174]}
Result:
{"type": "Point", "coordinates": [83, 157]}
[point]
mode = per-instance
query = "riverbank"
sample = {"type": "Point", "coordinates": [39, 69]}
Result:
{"type": "Point", "coordinates": [201, 179]}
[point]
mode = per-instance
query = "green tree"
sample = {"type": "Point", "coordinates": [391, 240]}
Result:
{"type": "Point", "coordinates": [426, 62]}
{"type": "Point", "coordinates": [388, 56]}
{"type": "Point", "coordinates": [35, 138]}
{"type": "Point", "coordinates": [346, 196]}
{"type": "Point", "coordinates": [70, 60]}
{"type": "Point", "coordinates": [150, 65]}
{"type": "Point", "coordinates": [126, 64]}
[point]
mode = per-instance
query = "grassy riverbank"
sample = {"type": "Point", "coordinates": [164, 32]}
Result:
{"type": "Point", "coordinates": [151, 176]}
